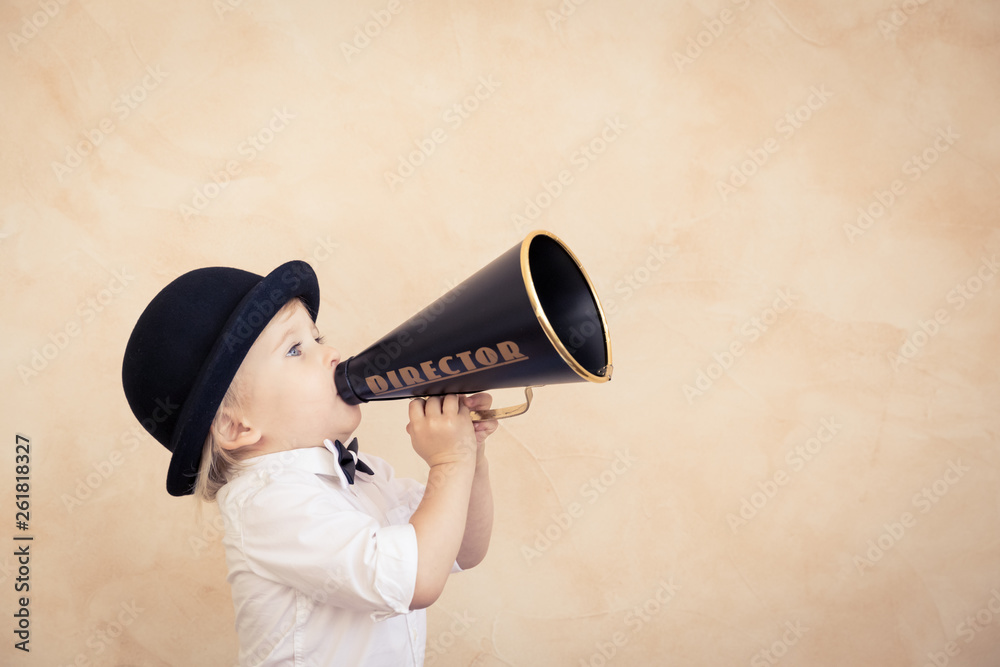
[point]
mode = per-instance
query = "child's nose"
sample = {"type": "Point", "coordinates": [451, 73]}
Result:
{"type": "Point", "coordinates": [332, 355]}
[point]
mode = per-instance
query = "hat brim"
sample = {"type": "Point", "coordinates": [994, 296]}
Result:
{"type": "Point", "coordinates": [288, 281]}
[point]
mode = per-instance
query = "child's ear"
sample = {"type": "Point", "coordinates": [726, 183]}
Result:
{"type": "Point", "coordinates": [232, 431]}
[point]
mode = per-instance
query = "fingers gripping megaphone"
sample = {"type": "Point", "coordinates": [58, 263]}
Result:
{"type": "Point", "coordinates": [531, 317]}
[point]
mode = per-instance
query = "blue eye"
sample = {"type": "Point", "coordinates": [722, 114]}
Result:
{"type": "Point", "coordinates": [296, 351]}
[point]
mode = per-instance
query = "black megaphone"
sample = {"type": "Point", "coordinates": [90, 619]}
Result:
{"type": "Point", "coordinates": [530, 317]}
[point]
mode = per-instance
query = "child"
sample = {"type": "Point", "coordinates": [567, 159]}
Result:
{"type": "Point", "coordinates": [331, 559]}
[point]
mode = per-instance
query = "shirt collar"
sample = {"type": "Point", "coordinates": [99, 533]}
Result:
{"type": "Point", "coordinates": [318, 460]}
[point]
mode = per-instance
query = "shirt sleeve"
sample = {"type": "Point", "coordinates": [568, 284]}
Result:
{"type": "Point", "coordinates": [297, 533]}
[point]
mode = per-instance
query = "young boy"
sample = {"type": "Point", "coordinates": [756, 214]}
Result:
{"type": "Point", "coordinates": [331, 559]}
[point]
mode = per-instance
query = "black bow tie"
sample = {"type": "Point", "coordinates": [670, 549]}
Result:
{"type": "Point", "coordinates": [349, 460]}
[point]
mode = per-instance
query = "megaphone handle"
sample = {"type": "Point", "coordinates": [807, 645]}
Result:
{"type": "Point", "coordinates": [503, 413]}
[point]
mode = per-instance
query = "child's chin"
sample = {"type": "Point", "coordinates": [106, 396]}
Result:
{"type": "Point", "coordinates": [351, 416]}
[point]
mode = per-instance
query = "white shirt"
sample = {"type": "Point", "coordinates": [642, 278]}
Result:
{"type": "Point", "coordinates": [322, 572]}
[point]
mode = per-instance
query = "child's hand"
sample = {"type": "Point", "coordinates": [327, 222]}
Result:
{"type": "Point", "coordinates": [441, 430]}
{"type": "Point", "coordinates": [484, 428]}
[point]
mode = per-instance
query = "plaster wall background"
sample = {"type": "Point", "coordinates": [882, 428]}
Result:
{"type": "Point", "coordinates": [789, 209]}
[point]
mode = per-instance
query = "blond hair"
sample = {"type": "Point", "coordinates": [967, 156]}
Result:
{"type": "Point", "coordinates": [217, 463]}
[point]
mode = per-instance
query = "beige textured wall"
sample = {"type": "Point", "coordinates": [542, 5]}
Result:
{"type": "Point", "coordinates": [789, 208]}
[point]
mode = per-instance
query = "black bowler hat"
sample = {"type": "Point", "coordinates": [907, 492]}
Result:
{"type": "Point", "coordinates": [188, 344]}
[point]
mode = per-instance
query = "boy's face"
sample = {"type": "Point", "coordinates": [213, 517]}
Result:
{"type": "Point", "coordinates": [288, 390]}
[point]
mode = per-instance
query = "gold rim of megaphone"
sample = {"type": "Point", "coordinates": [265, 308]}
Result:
{"type": "Point", "coordinates": [543, 319]}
